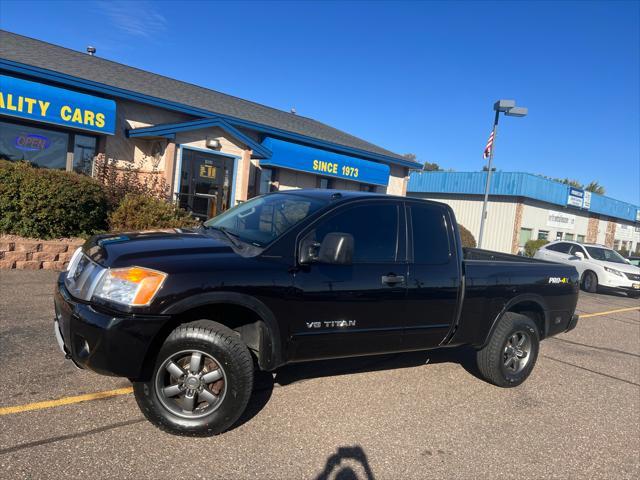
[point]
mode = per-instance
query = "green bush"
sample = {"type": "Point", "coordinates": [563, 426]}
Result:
{"type": "Point", "coordinates": [142, 212]}
{"type": "Point", "coordinates": [43, 203]}
{"type": "Point", "coordinates": [467, 238]}
{"type": "Point", "coordinates": [532, 246]}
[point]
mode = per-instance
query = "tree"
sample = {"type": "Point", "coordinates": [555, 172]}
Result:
{"type": "Point", "coordinates": [427, 166]}
{"type": "Point", "coordinates": [467, 238]}
{"type": "Point", "coordinates": [431, 167]}
{"type": "Point", "coordinates": [570, 182]}
{"type": "Point", "coordinates": [595, 187]}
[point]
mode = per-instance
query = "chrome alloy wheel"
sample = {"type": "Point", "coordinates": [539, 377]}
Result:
{"type": "Point", "coordinates": [191, 384]}
{"type": "Point", "coordinates": [517, 352]}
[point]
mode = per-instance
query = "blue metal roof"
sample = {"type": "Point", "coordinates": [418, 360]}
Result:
{"type": "Point", "coordinates": [517, 184]}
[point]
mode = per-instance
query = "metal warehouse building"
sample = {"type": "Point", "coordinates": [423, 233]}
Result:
{"type": "Point", "coordinates": [523, 206]}
{"type": "Point", "coordinates": [65, 109]}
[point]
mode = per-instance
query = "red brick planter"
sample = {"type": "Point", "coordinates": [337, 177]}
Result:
{"type": "Point", "coordinates": [33, 254]}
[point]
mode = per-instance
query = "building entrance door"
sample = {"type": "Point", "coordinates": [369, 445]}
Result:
{"type": "Point", "coordinates": [205, 183]}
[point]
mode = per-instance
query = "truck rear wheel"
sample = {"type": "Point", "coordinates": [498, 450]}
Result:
{"type": "Point", "coordinates": [201, 382]}
{"type": "Point", "coordinates": [511, 353]}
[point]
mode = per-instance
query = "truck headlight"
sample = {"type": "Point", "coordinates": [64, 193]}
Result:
{"type": "Point", "coordinates": [614, 271]}
{"type": "Point", "coordinates": [134, 286]}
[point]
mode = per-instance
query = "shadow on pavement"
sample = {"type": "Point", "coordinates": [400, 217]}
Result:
{"type": "Point", "coordinates": [69, 436]}
{"type": "Point", "coordinates": [265, 382]}
{"type": "Point", "coordinates": [348, 463]}
{"type": "Point", "coordinates": [289, 374]}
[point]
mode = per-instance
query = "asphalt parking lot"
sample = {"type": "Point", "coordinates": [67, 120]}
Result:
{"type": "Point", "coordinates": [423, 415]}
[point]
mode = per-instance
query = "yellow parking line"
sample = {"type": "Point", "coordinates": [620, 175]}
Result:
{"type": "Point", "coordinates": [598, 314]}
{"type": "Point", "coordinates": [65, 401]}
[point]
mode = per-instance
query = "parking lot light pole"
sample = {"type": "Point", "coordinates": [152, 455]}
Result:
{"type": "Point", "coordinates": [508, 107]}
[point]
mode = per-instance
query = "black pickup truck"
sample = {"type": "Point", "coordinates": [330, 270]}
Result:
{"type": "Point", "coordinates": [287, 277]}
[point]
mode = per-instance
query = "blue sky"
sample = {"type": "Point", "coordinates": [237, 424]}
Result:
{"type": "Point", "coordinates": [416, 77]}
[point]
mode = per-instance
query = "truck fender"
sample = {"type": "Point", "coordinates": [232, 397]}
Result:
{"type": "Point", "coordinates": [525, 297]}
{"type": "Point", "coordinates": [272, 357]}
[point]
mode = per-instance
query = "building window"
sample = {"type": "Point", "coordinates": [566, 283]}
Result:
{"type": "Point", "coordinates": [559, 236]}
{"type": "Point", "coordinates": [47, 148]}
{"type": "Point", "coordinates": [525, 236]}
{"type": "Point", "coordinates": [325, 183]}
{"type": "Point", "coordinates": [84, 150]}
{"type": "Point", "coordinates": [44, 148]}
{"type": "Point", "coordinates": [543, 234]}
{"type": "Point", "coordinates": [266, 181]}
{"type": "Point", "coordinates": [568, 236]}
{"type": "Point", "coordinates": [580, 239]}
{"type": "Point", "coordinates": [367, 188]}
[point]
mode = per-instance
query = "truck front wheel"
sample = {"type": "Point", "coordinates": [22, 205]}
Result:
{"type": "Point", "coordinates": [201, 382]}
{"type": "Point", "coordinates": [511, 353]}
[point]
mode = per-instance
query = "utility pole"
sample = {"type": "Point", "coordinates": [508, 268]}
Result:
{"type": "Point", "coordinates": [488, 182]}
{"type": "Point", "coordinates": [508, 107]}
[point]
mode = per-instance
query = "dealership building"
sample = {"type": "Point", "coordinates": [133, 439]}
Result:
{"type": "Point", "coordinates": [523, 207]}
{"type": "Point", "coordinates": [64, 109]}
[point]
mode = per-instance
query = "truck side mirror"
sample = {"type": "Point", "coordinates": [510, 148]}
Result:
{"type": "Point", "coordinates": [336, 248]}
{"type": "Point", "coordinates": [309, 248]}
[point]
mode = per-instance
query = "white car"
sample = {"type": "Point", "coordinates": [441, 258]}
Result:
{"type": "Point", "coordinates": [598, 266]}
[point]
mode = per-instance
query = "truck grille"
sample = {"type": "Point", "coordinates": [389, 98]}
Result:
{"type": "Point", "coordinates": [82, 277]}
{"type": "Point", "coordinates": [632, 276]}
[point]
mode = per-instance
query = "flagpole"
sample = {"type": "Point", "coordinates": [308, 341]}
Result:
{"type": "Point", "coordinates": [488, 184]}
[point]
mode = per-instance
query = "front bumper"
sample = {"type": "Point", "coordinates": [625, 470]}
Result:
{"type": "Point", "coordinates": [109, 343]}
{"type": "Point", "coordinates": [572, 323]}
{"type": "Point", "coordinates": [616, 282]}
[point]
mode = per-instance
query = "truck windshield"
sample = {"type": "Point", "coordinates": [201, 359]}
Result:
{"type": "Point", "coordinates": [261, 220]}
{"type": "Point", "coordinates": [605, 254]}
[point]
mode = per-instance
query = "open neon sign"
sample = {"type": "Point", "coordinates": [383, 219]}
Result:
{"type": "Point", "coordinates": [32, 142]}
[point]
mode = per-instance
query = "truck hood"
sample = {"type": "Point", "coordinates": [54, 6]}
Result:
{"type": "Point", "coordinates": [131, 248]}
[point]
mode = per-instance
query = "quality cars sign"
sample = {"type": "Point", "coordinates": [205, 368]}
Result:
{"type": "Point", "coordinates": [44, 103]}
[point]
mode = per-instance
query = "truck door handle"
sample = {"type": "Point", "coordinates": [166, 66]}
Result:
{"type": "Point", "coordinates": [392, 279]}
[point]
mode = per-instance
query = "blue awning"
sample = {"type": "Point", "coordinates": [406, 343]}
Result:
{"type": "Point", "coordinates": [322, 162]}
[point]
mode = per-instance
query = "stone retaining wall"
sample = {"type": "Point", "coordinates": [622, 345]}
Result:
{"type": "Point", "coordinates": [33, 254]}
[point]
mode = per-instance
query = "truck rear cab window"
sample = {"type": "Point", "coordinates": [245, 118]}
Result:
{"type": "Point", "coordinates": [374, 229]}
{"type": "Point", "coordinates": [430, 235]}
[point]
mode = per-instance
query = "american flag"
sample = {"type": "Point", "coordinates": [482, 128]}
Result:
{"type": "Point", "coordinates": [487, 149]}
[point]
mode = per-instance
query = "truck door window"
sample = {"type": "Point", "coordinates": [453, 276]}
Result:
{"type": "Point", "coordinates": [430, 237]}
{"type": "Point", "coordinates": [374, 229]}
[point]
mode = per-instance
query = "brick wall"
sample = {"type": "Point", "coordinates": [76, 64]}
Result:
{"type": "Point", "coordinates": [611, 234]}
{"type": "Point", "coordinates": [33, 254]}
{"type": "Point", "coordinates": [592, 229]}
{"type": "Point", "coordinates": [517, 223]}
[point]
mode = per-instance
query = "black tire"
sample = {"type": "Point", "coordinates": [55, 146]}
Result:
{"type": "Point", "coordinates": [590, 282]}
{"type": "Point", "coordinates": [493, 357]}
{"type": "Point", "coordinates": [222, 354]}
